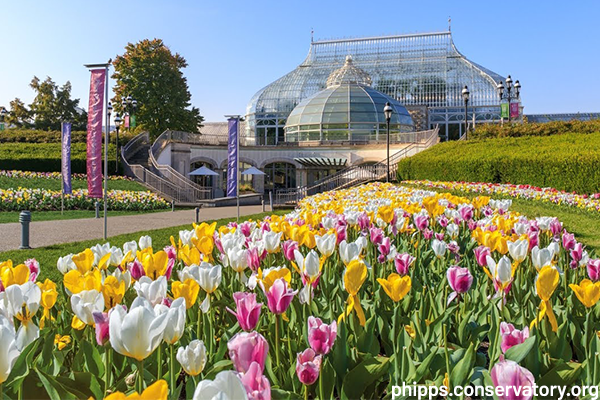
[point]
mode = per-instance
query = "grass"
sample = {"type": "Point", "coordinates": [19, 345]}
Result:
{"type": "Point", "coordinates": [48, 256]}
{"type": "Point", "coordinates": [55, 184]}
{"type": "Point", "coordinates": [13, 216]}
{"type": "Point", "coordinates": [584, 224]}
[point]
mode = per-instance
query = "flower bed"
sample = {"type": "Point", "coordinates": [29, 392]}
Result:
{"type": "Point", "coordinates": [50, 200]}
{"type": "Point", "coordinates": [527, 192]}
{"type": "Point", "coordinates": [52, 175]}
{"type": "Point", "coordinates": [353, 292]}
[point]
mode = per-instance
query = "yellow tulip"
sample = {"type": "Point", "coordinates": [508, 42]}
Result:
{"type": "Point", "coordinates": [396, 286]}
{"type": "Point", "coordinates": [587, 292]}
{"type": "Point", "coordinates": [269, 276]}
{"type": "Point", "coordinates": [205, 245]}
{"type": "Point", "coordinates": [155, 265]}
{"type": "Point", "coordinates": [47, 300]}
{"type": "Point", "coordinates": [188, 290]}
{"type": "Point", "coordinates": [159, 390]}
{"type": "Point", "coordinates": [411, 331]}
{"type": "Point", "coordinates": [190, 255]}
{"type": "Point", "coordinates": [205, 230]}
{"type": "Point", "coordinates": [354, 277]}
{"type": "Point", "coordinates": [480, 201]}
{"type": "Point", "coordinates": [61, 341]}
{"type": "Point", "coordinates": [84, 261]}
{"type": "Point", "coordinates": [77, 324]}
{"type": "Point", "coordinates": [386, 213]}
{"type": "Point", "coordinates": [547, 282]}
{"type": "Point", "coordinates": [113, 291]}
{"type": "Point", "coordinates": [75, 281]}
{"type": "Point", "coordinates": [13, 276]}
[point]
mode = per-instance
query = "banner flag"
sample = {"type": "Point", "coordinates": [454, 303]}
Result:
{"type": "Point", "coordinates": [504, 109]}
{"type": "Point", "coordinates": [514, 110]}
{"type": "Point", "coordinates": [232, 158]}
{"type": "Point", "coordinates": [94, 133]}
{"type": "Point", "coordinates": [132, 121]}
{"type": "Point", "coordinates": [126, 120]}
{"type": "Point", "coordinates": [66, 158]}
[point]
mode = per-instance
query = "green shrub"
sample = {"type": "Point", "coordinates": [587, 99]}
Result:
{"type": "Point", "coordinates": [46, 157]}
{"type": "Point", "coordinates": [38, 136]}
{"type": "Point", "coordinates": [568, 162]}
{"type": "Point", "coordinates": [488, 131]}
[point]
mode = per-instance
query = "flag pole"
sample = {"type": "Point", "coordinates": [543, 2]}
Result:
{"type": "Point", "coordinates": [237, 177]}
{"type": "Point", "coordinates": [62, 169]}
{"type": "Point", "coordinates": [106, 153]}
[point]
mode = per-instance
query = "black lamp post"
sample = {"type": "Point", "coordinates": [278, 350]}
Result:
{"type": "Point", "coordinates": [387, 111]}
{"type": "Point", "coordinates": [117, 126]}
{"type": "Point", "coordinates": [129, 108]}
{"type": "Point", "coordinates": [507, 94]}
{"type": "Point", "coordinates": [465, 95]}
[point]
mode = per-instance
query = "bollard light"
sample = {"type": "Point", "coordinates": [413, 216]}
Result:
{"type": "Point", "coordinates": [197, 215]}
{"type": "Point", "coordinates": [25, 219]}
{"type": "Point", "coordinates": [97, 206]}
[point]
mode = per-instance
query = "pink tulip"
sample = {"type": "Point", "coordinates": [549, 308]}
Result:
{"type": "Point", "coordinates": [376, 236]}
{"type": "Point", "coordinates": [384, 249]}
{"type": "Point", "coordinates": [279, 296]}
{"type": "Point", "coordinates": [1, 286]}
{"type": "Point", "coordinates": [568, 241]}
{"type": "Point", "coordinates": [460, 280]}
{"type": "Point", "coordinates": [512, 377]}
{"type": "Point", "coordinates": [364, 222]}
{"type": "Point", "coordinates": [34, 268]}
{"type": "Point", "coordinates": [136, 269]}
{"type": "Point", "coordinates": [427, 234]}
{"type": "Point", "coordinates": [246, 348]}
{"type": "Point", "coordinates": [341, 233]}
{"type": "Point", "coordinates": [308, 365]}
{"type": "Point", "coordinates": [534, 240]}
{"type": "Point", "coordinates": [472, 225]}
{"type": "Point", "coordinates": [170, 266]}
{"type": "Point", "coordinates": [171, 252]}
{"type": "Point", "coordinates": [246, 228]}
{"type": "Point", "coordinates": [443, 221]}
{"type": "Point", "coordinates": [466, 213]}
{"type": "Point", "coordinates": [289, 247]}
{"type": "Point", "coordinates": [453, 247]}
{"type": "Point", "coordinates": [102, 331]}
{"type": "Point", "coordinates": [256, 384]}
{"type": "Point", "coordinates": [403, 262]}
{"type": "Point", "coordinates": [481, 254]}
{"type": "Point", "coordinates": [421, 221]}
{"type": "Point", "coordinates": [577, 253]}
{"type": "Point", "coordinates": [438, 235]}
{"type": "Point", "coordinates": [320, 335]}
{"type": "Point", "coordinates": [254, 258]}
{"type": "Point", "coordinates": [511, 336]}
{"type": "Point", "coordinates": [247, 310]}
{"type": "Point", "coordinates": [593, 269]}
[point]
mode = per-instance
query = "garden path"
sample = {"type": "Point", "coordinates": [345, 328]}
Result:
{"type": "Point", "coordinates": [47, 233]}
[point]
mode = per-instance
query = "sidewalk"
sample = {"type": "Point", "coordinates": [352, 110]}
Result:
{"type": "Point", "coordinates": [47, 233]}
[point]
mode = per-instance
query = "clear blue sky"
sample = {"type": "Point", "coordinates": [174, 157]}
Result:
{"type": "Point", "coordinates": [234, 48]}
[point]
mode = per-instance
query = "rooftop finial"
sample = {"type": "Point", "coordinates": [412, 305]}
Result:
{"type": "Point", "coordinates": [449, 23]}
{"type": "Point", "coordinates": [312, 35]}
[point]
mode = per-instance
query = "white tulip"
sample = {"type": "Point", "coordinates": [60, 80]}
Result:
{"type": "Point", "coordinates": [186, 237]}
{"type": "Point", "coordinates": [238, 260]}
{"type": "Point", "coordinates": [541, 257]}
{"type": "Point", "coordinates": [554, 249]}
{"type": "Point", "coordinates": [452, 230]}
{"type": "Point", "coordinates": [329, 222]}
{"type": "Point", "coordinates": [501, 271]}
{"type": "Point", "coordinates": [153, 291]}
{"type": "Point", "coordinates": [351, 217]}
{"type": "Point", "coordinates": [521, 228]}
{"type": "Point", "coordinates": [272, 241]}
{"type": "Point", "coordinates": [226, 386]}
{"type": "Point", "coordinates": [130, 247]}
{"type": "Point", "coordinates": [116, 256]}
{"type": "Point", "coordinates": [100, 250]}
{"type": "Point", "coordinates": [85, 303]}
{"type": "Point", "coordinates": [145, 242]}
{"type": "Point", "coordinates": [136, 333]}
{"type": "Point", "coordinates": [209, 276]}
{"type": "Point", "coordinates": [326, 243]}
{"type": "Point", "coordinates": [518, 249]}
{"type": "Point", "coordinates": [9, 351]}
{"type": "Point", "coordinates": [123, 277]}
{"type": "Point", "coordinates": [65, 264]}
{"type": "Point", "coordinates": [176, 315]}
{"type": "Point", "coordinates": [22, 302]}
{"type": "Point", "coordinates": [351, 251]}
{"type": "Point", "coordinates": [309, 265]}
{"type": "Point", "coordinates": [439, 247]}
{"type": "Point", "coordinates": [192, 357]}
{"type": "Point", "coordinates": [544, 223]}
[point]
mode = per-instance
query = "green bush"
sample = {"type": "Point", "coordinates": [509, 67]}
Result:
{"type": "Point", "coordinates": [46, 157]}
{"type": "Point", "coordinates": [488, 131]}
{"type": "Point", "coordinates": [568, 162]}
{"type": "Point", "coordinates": [38, 136]}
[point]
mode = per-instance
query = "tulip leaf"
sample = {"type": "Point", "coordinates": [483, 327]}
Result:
{"type": "Point", "coordinates": [564, 373]}
{"type": "Point", "coordinates": [462, 371]}
{"type": "Point", "coordinates": [21, 367]}
{"type": "Point", "coordinates": [422, 369]}
{"type": "Point", "coordinates": [328, 375]}
{"type": "Point", "coordinates": [279, 394]}
{"type": "Point", "coordinates": [93, 361]}
{"type": "Point", "coordinates": [363, 375]}
{"type": "Point", "coordinates": [58, 391]}
{"type": "Point", "coordinates": [519, 352]}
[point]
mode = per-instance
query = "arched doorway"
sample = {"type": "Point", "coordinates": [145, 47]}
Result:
{"type": "Point", "coordinates": [202, 180]}
{"type": "Point", "coordinates": [246, 183]}
{"type": "Point", "coordinates": [279, 175]}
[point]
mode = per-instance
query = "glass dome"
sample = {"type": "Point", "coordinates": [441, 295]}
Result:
{"type": "Point", "coordinates": [348, 110]}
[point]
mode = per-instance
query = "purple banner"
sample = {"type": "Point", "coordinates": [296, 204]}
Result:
{"type": "Point", "coordinates": [66, 158]}
{"type": "Point", "coordinates": [232, 158]}
{"type": "Point", "coordinates": [514, 110]}
{"type": "Point", "coordinates": [94, 133]}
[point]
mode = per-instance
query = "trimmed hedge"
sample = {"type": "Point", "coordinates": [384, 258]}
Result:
{"type": "Point", "coordinates": [38, 136]}
{"type": "Point", "coordinates": [568, 162]}
{"type": "Point", "coordinates": [46, 157]}
{"type": "Point", "coordinates": [489, 131]}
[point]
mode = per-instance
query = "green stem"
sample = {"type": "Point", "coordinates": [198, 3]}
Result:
{"type": "Point", "coordinates": [172, 370]}
{"type": "Point", "coordinates": [1, 392]}
{"type": "Point", "coordinates": [107, 370]}
{"type": "Point", "coordinates": [305, 392]}
{"type": "Point", "coordinates": [140, 382]}
{"type": "Point", "coordinates": [277, 339]}
{"type": "Point", "coordinates": [159, 361]}
{"type": "Point", "coordinates": [198, 332]}
{"type": "Point", "coordinates": [446, 355]}
{"type": "Point", "coordinates": [321, 388]}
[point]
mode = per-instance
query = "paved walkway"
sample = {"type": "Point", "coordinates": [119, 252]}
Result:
{"type": "Point", "coordinates": [47, 233]}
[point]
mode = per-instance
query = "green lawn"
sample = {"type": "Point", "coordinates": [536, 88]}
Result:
{"type": "Point", "coordinates": [584, 224]}
{"type": "Point", "coordinates": [13, 216]}
{"type": "Point", "coordinates": [47, 256]}
{"type": "Point", "coordinates": [55, 184]}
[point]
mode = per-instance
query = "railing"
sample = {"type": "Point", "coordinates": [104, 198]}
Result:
{"type": "Point", "coordinates": [359, 174]}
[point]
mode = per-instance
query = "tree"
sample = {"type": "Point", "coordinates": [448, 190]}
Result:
{"type": "Point", "coordinates": [53, 105]}
{"type": "Point", "coordinates": [19, 115]}
{"type": "Point", "coordinates": [151, 74]}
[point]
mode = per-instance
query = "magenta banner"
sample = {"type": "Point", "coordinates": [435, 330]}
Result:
{"type": "Point", "coordinates": [94, 133]}
{"type": "Point", "coordinates": [514, 110]}
{"type": "Point", "coordinates": [232, 158]}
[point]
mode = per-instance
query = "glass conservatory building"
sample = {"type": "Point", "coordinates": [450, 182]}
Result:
{"type": "Point", "coordinates": [424, 72]}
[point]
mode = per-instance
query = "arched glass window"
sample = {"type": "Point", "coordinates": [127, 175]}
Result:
{"type": "Point", "coordinates": [279, 175]}
{"type": "Point", "coordinates": [245, 180]}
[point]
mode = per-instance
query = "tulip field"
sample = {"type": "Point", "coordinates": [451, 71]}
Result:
{"type": "Point", "coordinates": [353, 292]}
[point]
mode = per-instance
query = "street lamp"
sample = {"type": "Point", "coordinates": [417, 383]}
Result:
{"type": "Point", "coordinates": [129, 108]}
{"type": "Point", "coordinates": [465, 95]}
{"type": "Point", "coordinates": [387, 111]}
{"type": "Point", "coordinates": [117, 126]}
{"type": "Point", "coordinates": [507, 94]}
